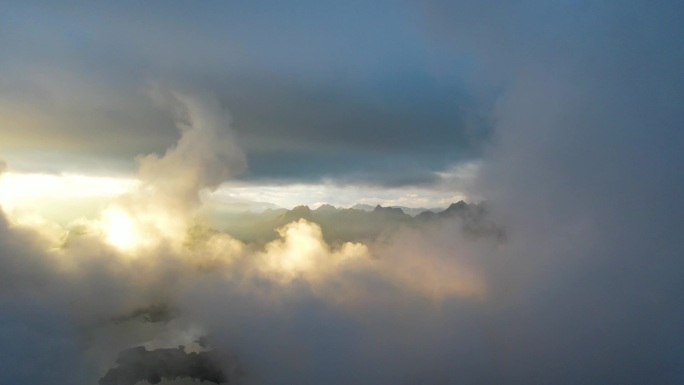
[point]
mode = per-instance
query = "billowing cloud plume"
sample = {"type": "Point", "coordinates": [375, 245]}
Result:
{"type": "Point", "coordinates": [164, 202]}
{"type": "Point", "coordinates": [205, 155]}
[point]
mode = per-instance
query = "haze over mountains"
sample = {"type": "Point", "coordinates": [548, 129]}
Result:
{"type": "Point", "coordinates": [360, 223]}
{"type": "Point", "coordinates": [412, 211]}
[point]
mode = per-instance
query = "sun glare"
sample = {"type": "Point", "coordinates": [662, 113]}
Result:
{"type": "Point", "coordinates": [13, 185]}
{"type": "Point", "coordinates": [120, 229]}
{"type": "Point", "coordinates": [62, 197]}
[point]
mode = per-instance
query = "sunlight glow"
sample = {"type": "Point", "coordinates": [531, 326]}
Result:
{"type": "Point", "coordinates": [302, 251]}
{"type": "Point", "coordinates": [120, 229]}
{"type": "Point", "coordinates": [15, 185]}
{"type": "Point", "coordinates": [47, 191]}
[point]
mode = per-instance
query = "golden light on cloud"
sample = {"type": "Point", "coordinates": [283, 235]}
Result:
{"type": "Point", "coordinates": [302, 251]}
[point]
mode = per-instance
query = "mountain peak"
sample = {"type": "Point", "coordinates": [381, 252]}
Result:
{"type": "Point", "coordinates": [301, 210]}
{"type": "Point", "coordinates": [388, 210]}
{"type": "Point", "coordinates": [297, 213]}
{"type": "Point", "coordinates": [457, 208]}
{"type": "Point", "coordinates": [326, 208]}
{"type": "Point", "coordinates": [362, 206]}
{"type": "Point", "coordinates": [460, 205]}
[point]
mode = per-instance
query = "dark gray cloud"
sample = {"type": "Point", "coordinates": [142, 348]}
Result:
{"type": "Point", "coordinates": [353, 93]}
{"type": "Point", "coordinates": [396, 130]}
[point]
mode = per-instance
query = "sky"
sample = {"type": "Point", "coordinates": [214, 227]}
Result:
{"type": "Point", "coordinates": [121, 121]}
{"type": "Point", "coordinates": [317, 93]}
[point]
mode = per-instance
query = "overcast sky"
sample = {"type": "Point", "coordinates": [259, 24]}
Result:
{"type": "Point", "coordinates": [352, 92]}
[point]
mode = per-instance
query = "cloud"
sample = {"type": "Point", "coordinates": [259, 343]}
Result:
{"type": "Point", "coordinates": [96, 287]}
{"type": "Point", "coordinates": [584, 172]}
{"type": "Point", "coordinates": [306, 105]}
{"type": "Point", "coordinates": [164, 202]}
{"type": "Point", "coordinates": [298, 287]}
{"type": "Point", "coordinates": [586, 120]}
{"type": "Point", "coordinates": [350, 130]}
{"type": "Point", "coordinates": [205, 155]}
{"type": "Point", "coordinates": [145, 252]}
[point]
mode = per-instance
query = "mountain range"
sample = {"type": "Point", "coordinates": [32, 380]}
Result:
{"type": "Point", "coordinates": [358, 223]}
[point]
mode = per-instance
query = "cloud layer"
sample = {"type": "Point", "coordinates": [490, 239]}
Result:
{"type": "Point", "coordinates": [94, 276]}
{"type": "Point", "coordinates": [583, 171]}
